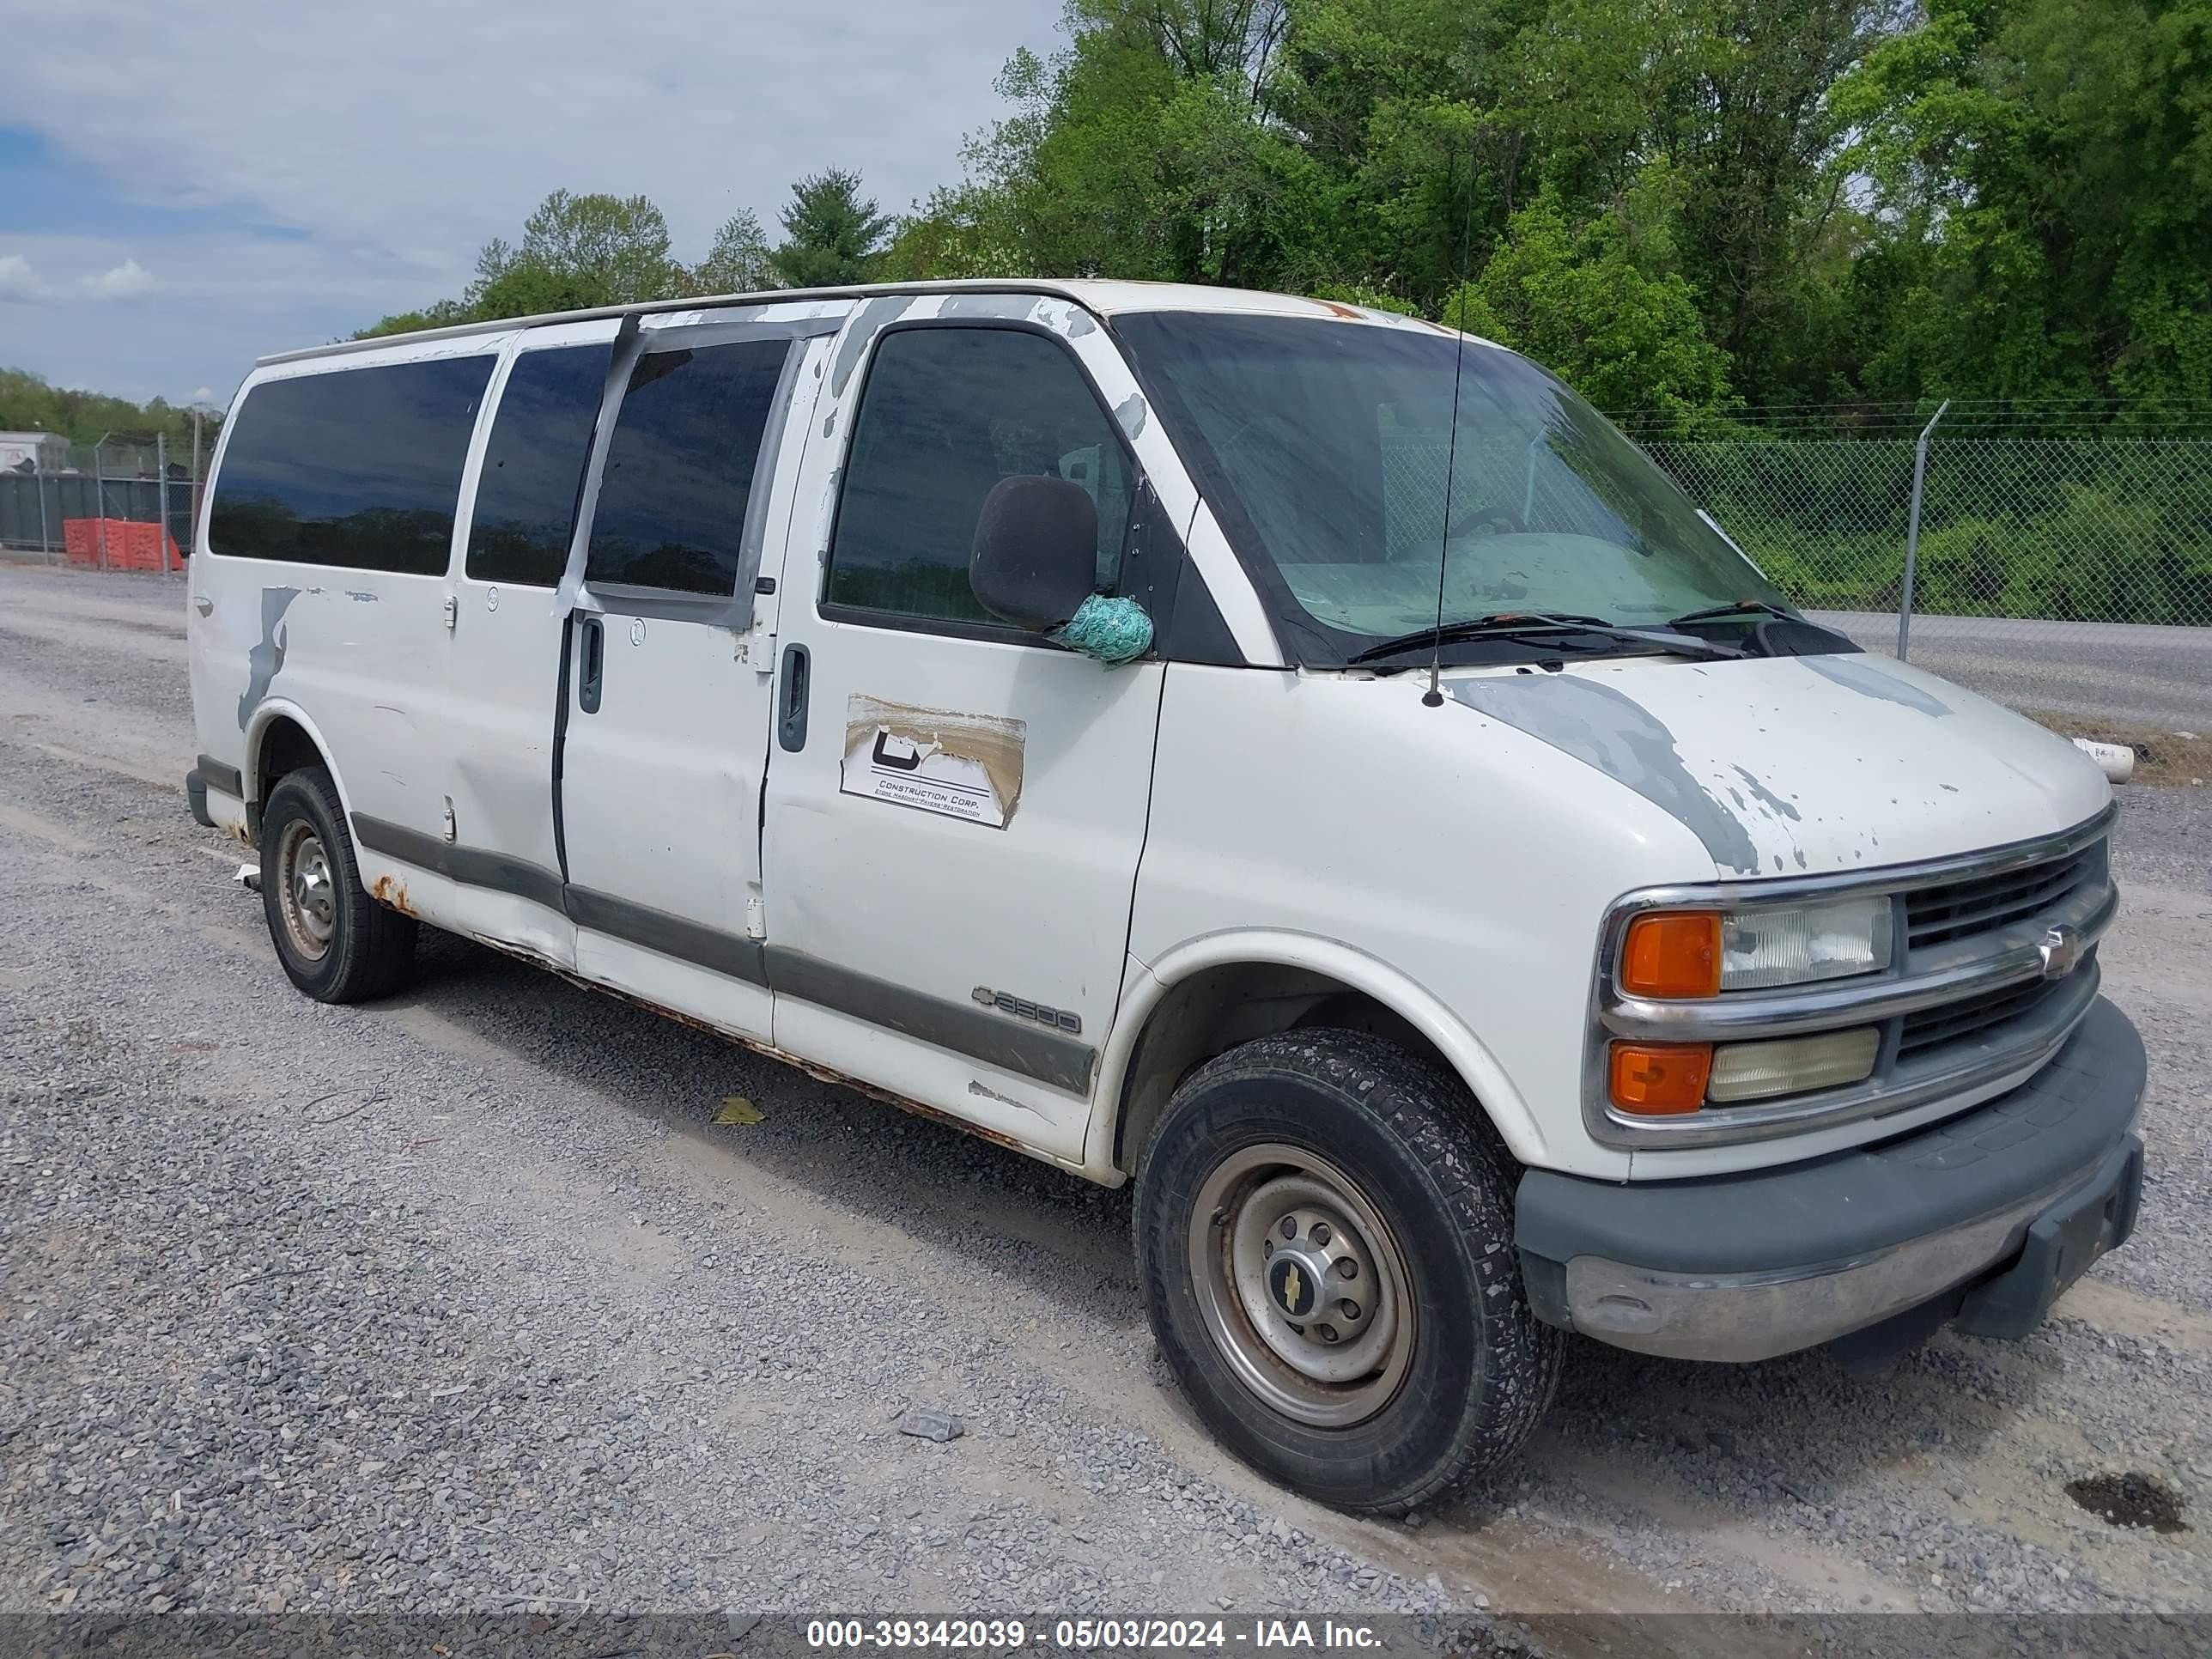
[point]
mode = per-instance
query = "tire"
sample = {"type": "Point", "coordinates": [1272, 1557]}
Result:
{"type": "Point", "coordinates": [1423, 1209]}
{"type": "Point", "coordinates": [336, 944]}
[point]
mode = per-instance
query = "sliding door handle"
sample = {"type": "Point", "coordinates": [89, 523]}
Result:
{"type": "Point", "coordinates": [790, 715]}
{"type": "Point", "coordinates": [595, 663]}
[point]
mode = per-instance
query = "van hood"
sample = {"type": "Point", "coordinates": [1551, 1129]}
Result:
{"type": "Point", "coordinates": [1783, 766]}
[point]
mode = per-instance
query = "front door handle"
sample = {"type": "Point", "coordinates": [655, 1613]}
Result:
{"type": "Point", "coordinates": [791, 723]}
{"type": "Point", "coordinates": [595, 663]}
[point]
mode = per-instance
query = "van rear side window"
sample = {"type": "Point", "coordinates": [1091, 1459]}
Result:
{"type": "Point", "coordinates": [541, 437]}
{"type": "Point", "coordinates": [356, 466]}
{"type": "Point", "coordinates": [679, 473]}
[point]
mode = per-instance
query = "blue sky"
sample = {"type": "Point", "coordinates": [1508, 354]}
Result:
{"type": "Point", "coordinates": [180, 194]}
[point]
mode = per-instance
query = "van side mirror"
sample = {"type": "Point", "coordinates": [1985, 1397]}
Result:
{"type": "Point", "coordinates": [1036, 555]}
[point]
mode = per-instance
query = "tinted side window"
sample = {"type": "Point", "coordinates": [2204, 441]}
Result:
{"type": "Point", "coordinates": [679, 473]}
{"type": "Point", "coordinates": [947, 413]}
{"type": "Point", "coordinates": [541, 437]}
{"type": "Point", "coordinates": [352, 466]}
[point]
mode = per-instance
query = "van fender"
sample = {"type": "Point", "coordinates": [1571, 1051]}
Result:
{"type": "Point", "coordinates": [273, 708]}
{"type": "Point", "coordinates": [1148, 984]}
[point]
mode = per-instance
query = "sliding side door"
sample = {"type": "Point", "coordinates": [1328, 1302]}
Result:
{"type": "Point", "coordinates": [665, 722]}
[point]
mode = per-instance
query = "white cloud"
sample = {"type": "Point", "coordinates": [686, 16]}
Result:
{"type": "Point", "coordinates": [394, 140]}
{"type": "Point", "coordinates": [203, 394]}
{"type": "Point", "coordinates": [128, 280]}
{"type": "Point", "coordinates": [419, 124]}
{"type": "Point", "coordinates": [221, 302]}
{"type": "Point", "coordinates": [20, 282]}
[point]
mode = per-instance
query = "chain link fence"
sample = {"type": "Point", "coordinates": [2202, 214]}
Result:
{"type": "Point", "coordinates": [2058, 530]}
{"type": "Point", "coordinates": [2065, 570]}
{"type": "Point", "coordinates": [105, 505]}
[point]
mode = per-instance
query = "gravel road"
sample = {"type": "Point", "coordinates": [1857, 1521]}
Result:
{"type": "Point", "coordinates": [463, 1301]}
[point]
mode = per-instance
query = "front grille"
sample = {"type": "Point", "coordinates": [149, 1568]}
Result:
{"type": "Point", "coordinates": [1997, 920]}
{"type": "Point", "coordinates": [1981, 904]}
{"type": "Point", "coordinates": [1961, 1022]}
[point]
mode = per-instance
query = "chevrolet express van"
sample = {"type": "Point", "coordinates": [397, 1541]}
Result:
{"type": "Point", "coordinates": [1285, 755]}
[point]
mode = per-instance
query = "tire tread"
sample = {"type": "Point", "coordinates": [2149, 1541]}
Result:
{"type": "Point", "coordinates": [1430, 1114]}
{"type": "Point", "coordinates": [375, 943]}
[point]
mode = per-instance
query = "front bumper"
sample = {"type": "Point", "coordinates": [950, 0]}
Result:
{"type": "Point", "coordinates": [1984, 1218]}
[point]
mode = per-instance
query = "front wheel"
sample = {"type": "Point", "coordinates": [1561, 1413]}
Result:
{"type": "Point", "coordinates": [1326, 1243]}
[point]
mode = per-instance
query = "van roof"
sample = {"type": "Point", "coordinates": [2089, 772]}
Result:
{"type": "Point", "coordinates": [1099, 295]}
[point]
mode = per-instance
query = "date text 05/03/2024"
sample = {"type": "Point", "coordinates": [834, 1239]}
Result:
{"type": "Point", "coordinates": [1085, 1635]}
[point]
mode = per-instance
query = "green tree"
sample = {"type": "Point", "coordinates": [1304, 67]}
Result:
{"type": "Point", "coordinates": [28, 403]}
{"type": "Point", "coordinates": [739, 262]}
{"type": "Point", "coordinates": [613, 249]}
{"type": "Point", "coordinates": [1734, 98]}
{"type": "Point", "coordinates": [1142, 150]}
{"type": "Point", "coordinates": [1399, 103]}
{"type": "Point", "coordinates": [439, 313]}
{"type": "Point", "coordinates": [577, 251]}
{"type": "Point", "coordinates": [831, 236]}
{"type": "Point", "coordinates": [1601, 304]}
{"type": "Point", "coordinates": [2042, 167]}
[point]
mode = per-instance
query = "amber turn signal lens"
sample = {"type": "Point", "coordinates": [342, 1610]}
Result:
{"type": "Point", "coordinates": [1673, 953]}
{"type": "Point", "coordinates": [1661, 1079]}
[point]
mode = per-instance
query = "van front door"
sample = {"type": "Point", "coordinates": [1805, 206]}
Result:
{"type": "Point", "coordinates": [955, 808]}
{"type": "Point", "coordinates": [664, 732]}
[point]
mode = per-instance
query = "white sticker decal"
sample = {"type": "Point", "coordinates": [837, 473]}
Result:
{"type": "Point", "coordinates": [958, 766]}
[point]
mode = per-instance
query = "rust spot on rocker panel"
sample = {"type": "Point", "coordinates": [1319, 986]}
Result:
{"type": "Point", "coordinates": [391, 891]}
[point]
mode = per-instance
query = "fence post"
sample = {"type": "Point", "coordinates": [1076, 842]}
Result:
{"type": "Point", "coordinates": [39, 477]}
{"type": "Point", "coordinates": [1912, 532]}
{"type": "Point", "coordinates": [99, 501]}
{"type": "Point", "coordinates": [161, 498]}
{"type": "Point", "coordinates": [196, 475]}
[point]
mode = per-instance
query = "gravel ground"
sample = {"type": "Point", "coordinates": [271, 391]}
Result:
{"type": "Point", "coordinates": [461, 1302]}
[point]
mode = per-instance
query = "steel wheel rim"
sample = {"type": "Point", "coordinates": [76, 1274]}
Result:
{"type": "Point", "coordinates": [1247, 1273]}
{"type": "Point", "coordinates": [306, 896]}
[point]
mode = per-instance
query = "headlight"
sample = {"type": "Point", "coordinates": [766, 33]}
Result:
{"type": "Point", "coordinates": [1700, 953]}
{"type": "Point", "coordinates": [1804, 943]}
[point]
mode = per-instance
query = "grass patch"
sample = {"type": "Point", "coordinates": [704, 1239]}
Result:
{"type": "Point", "coordinates": [2161, 757]}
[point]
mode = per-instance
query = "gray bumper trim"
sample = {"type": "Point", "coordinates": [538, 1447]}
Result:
{"type": "Point", "coordinates": [1748, 1266]}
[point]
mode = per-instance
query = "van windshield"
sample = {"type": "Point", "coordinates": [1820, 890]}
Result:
{"type": "Point", "coordinates": [1323, 447]}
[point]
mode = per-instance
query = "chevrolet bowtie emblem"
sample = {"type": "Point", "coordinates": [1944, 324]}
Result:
{"type": "Point", "coordinates": [2061, 951]}
{"type": "Point", "coordinates": [1294, 1293]}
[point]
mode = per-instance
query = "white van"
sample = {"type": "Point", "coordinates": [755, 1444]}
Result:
{"type": "Point", "coordinates": [1478, 909]}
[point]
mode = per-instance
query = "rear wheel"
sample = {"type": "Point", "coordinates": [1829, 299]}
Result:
{"type": "Point", "coordinates": [336, 944]}
{"type": "Point", "coordinates": [1326, 1237]}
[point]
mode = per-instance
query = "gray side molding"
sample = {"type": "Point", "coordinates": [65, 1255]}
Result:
{"type": "Point", "coordinates": [965, 1027]}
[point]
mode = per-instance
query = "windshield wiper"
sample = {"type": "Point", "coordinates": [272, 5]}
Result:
{"type": "Point", "coordinates": [1547, 625]}
{"type": "Point", "coordinates": [1732, 608]}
